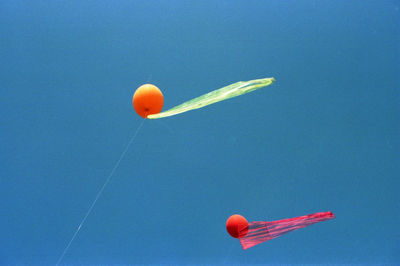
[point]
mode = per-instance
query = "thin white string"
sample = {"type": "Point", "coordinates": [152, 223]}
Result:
{"type": "Point", "coordinates": [100, 192]}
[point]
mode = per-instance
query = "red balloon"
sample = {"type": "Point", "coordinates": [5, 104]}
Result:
{"type": "Point", "coordinates": [147, 100]}
{"type": "Point", "coordinates": [237, 226]}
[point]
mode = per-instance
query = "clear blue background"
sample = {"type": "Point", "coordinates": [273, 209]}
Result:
{"type": "Point", "coordinates": [324, 137]}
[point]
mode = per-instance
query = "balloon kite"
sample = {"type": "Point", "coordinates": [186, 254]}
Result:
{"type": "Point", "coordinates": [253, 233]}
{"type": "Point", "coordinates": [148, 99]}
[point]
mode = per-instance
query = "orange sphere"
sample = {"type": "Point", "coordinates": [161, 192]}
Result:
{"type": "Point", "coordinates": [237, 226]}
{"type": "Point", "coordinates": [147, 100]}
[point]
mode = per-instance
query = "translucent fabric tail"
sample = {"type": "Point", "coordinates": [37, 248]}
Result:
{"type": "Point", "coordinates": [259, 232]}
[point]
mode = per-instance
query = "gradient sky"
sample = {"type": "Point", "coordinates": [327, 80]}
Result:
{"type": "Point", "coordinates": [324, 137]}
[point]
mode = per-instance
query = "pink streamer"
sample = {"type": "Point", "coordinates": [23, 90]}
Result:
{"type": "Point", "coordinates": [259, 232]}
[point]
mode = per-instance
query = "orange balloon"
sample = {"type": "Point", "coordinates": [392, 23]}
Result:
{"type": "Point", "coordinates": [237, 226]}
{"type": "Point", "coordinates": [147, 100]}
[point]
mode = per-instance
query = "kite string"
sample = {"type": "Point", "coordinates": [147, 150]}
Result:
{"type": "Point", "coordinates": [100, 191]}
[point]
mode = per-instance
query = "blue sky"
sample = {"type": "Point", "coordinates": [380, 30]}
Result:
{"type": "Point", "coordinates": [324, 137]}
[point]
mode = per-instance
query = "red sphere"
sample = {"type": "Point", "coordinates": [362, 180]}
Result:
{"type": "Point", "coordinates": [237, 226]}
{"type": "Point", "coordinates": [147, 100]}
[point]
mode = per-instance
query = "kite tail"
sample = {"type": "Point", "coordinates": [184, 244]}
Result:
{"type": "Point", "coordinates": [259, 232]}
